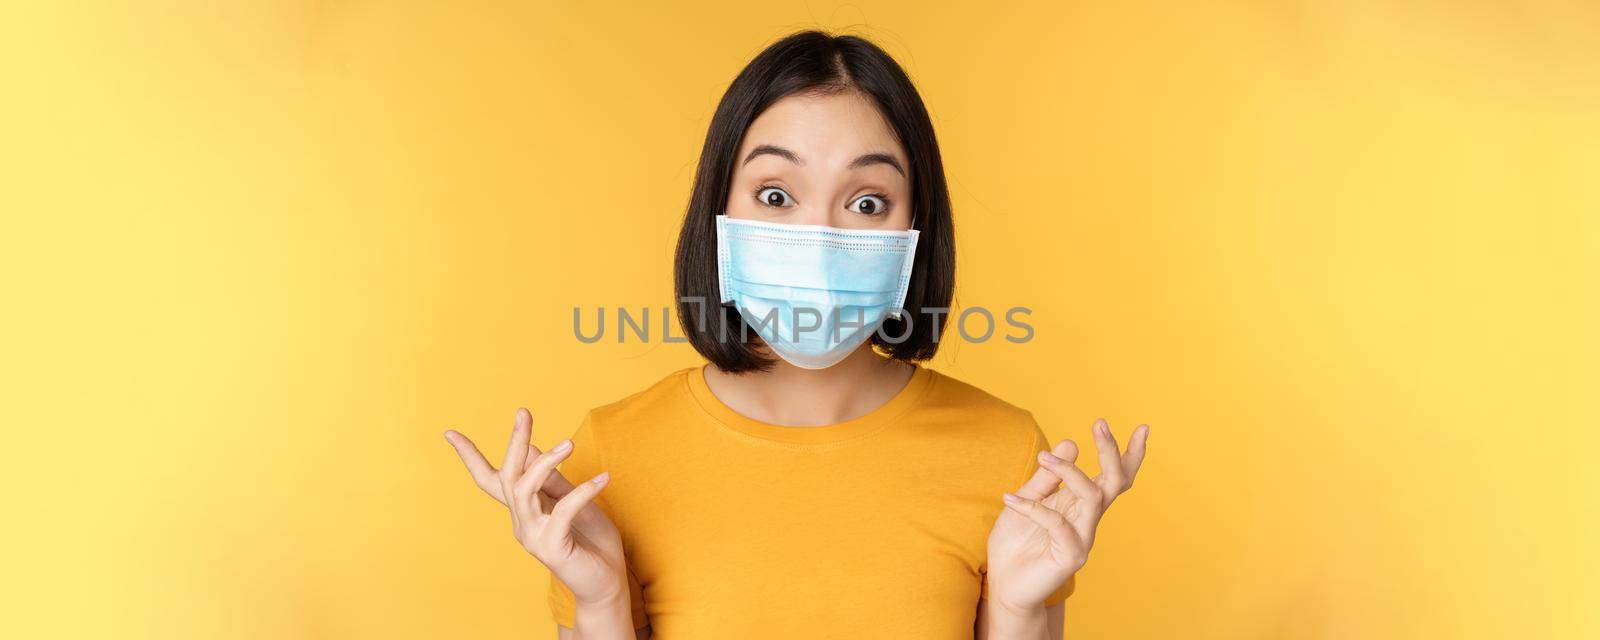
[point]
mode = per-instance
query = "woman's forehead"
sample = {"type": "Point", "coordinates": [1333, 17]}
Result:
{"type": "Point", "coordinates": [828, 130]}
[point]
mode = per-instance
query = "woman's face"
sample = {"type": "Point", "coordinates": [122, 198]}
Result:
{"type": "Point", "coordinates": [822, 159]}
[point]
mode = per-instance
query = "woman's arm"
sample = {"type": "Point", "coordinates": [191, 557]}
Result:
{"type": "Point", "coordinates": [608, 620]}
{"type": "Point", "coordinates": [1044, 534]}
{"type": "Point", "coordinates": [1053, 619]}
{"type": "Point", "coordinates": [563, 633]}
{"type": "Point", "coordinates": [559, 524]}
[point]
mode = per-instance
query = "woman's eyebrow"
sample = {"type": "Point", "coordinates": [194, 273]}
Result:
{"type": "Point", "coordinates": [878, 158]}
{"type": "Point", "coordinates": [867, 159]}
{"type": "Point", "coordinates": [770, 150]}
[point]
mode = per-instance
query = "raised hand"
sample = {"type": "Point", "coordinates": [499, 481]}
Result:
{"type": "Point", "coordinates": [554, 520]}
{"type": "Point", "coordinates": [1044, 534]}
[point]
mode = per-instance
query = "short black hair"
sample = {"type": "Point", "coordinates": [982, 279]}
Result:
{"type": "Point", "coordinates": [814, 62]}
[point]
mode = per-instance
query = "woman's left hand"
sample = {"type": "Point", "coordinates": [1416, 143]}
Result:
{"type": "Point", "coordinates": [1044, 534]}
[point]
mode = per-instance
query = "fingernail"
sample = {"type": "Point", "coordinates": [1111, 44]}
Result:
{"type": "Point", "coordinates": [561, 447]}
{"type": "Point", "coordinates": [1011, 498]}
{"type": "Point", "coordinates": [1048, 457]}
{"type": "Point", "coordinates": [604, 477]}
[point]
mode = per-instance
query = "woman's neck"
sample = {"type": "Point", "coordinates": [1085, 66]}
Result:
{"type": "Point", "coordinates": [791, 396]}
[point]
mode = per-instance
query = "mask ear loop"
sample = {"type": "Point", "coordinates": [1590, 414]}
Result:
{"type": "Point", "coordinates": [724, 261]}
{"type": "Point", "coordinates": [724, 265]}
{"type": "Point", "coordinates": [907, 263]}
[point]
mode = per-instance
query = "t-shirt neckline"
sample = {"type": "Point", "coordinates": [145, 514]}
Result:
{"type": "Point", "coordinates": [851, 429]}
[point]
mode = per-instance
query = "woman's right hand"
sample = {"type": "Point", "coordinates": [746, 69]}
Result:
{"type": "Point", "coordinates": [554, 520]}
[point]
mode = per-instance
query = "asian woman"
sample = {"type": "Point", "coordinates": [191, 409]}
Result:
{"type": "Point", "coordinates": [813, 479]}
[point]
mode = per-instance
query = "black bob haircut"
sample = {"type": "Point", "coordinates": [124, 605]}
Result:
{"type": "Point", "coordinates": [813, 62]}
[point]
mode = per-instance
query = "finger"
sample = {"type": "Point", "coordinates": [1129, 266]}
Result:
{"type": "Point", "coordinates": [529, 484]}
{"type": "Point", "coordinates": [1077, 482]}
{"type": "Point", "coordinates": [482, 472]}
{"type": "Point", "coordinates": [1110, 455]}
{"type": "Point", "coordinates": [516, 456]}
{"type": "Point", "coordinates": [1135, 455]}
{"type": "Point", "coordinates": [1082, 501]}
{"type": "Point", "coordinates": [517, 449]}
{"type": "Point", "coordinates": [1043, 482]}
{"type": "Point", "coordinates": [557, 485]}
{"type": "Point", "coordinates": [1059, 529]}
{"type": "Point", "coordinates": [559, 526]}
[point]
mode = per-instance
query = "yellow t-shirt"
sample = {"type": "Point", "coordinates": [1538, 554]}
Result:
{"type": "Point", "coordinates": [876, 527]}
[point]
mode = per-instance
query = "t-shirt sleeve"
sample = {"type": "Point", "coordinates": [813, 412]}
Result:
{"type": "Point", "coordinates": [585, 463]}
{"type": "Point", "coordinates": [1040, 443]}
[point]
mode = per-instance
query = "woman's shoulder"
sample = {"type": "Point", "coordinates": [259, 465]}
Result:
{"type": "Point", "coordinates": [644, 417]}
{"type": "Point", "coordinates": [665, 394]}
{"type": "Point", "coordinates": [959, 414]}
{"type": "Point", "coordinates": [949, 392]}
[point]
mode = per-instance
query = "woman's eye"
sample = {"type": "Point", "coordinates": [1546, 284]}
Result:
{"type": "Point", "coordinates": [869, 205]}
{"type": "Point", "coordinates": [774, 197]}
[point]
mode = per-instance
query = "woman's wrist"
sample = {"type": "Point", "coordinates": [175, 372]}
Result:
{"type": "Point", "coordinates": [608, 618]}
{"type": "Point", "coordinates": [1015, 622]}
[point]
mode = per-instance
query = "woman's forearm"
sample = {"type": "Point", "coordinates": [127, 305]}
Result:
{"type": "Point", "coordinates": [1002, 622]}
{"type": "Point", "coordinates": [610, 619]}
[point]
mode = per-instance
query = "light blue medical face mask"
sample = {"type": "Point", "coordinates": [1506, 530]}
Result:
{"type": "Point", "coordinates": [813, 293]}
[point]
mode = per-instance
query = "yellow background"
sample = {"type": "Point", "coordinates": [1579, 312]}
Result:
{"type": "Point", "coordinates": [1343, 256]}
